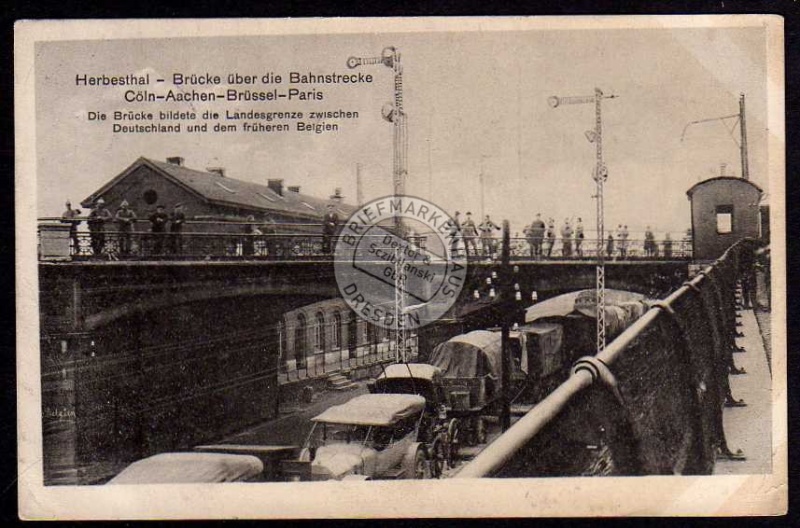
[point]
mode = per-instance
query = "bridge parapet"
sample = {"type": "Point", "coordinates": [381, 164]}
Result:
{"type": "Point", "coordinates": [650, 403]}
{"type": "Point", "coordinates": [230, 240]}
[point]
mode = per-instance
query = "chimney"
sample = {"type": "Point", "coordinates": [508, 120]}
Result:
{"type": "Point", "coordinates": [217, 170]}
{"type": "Point", "coordinates": [176, 160]}
{"type": "Point", "coordinates": [293, 188]}
{"type": "Point", "coordinates": [276, 186]}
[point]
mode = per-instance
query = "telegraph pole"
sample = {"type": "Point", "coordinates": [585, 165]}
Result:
{"type": "Point", "coordinates": [600, 176]}
{"type": "Point", "coordinates": [508, 314]}
{"type": "Point", "coordinates": [742, 143]}
{"type": "Point", "coordinates": [481, 177]}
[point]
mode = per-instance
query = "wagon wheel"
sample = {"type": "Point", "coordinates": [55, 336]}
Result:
{"type": "Point", "coordinates": [416, 466]}
{"type": "Point", "coordinates": [453, 443]}
{"type": "Point", "coordinates": [438, 458]}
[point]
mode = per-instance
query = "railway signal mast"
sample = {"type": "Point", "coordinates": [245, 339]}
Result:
{"type": "Point", "coordinates": [600, 176]}
{"type": "Point", "coordinates": [395, 114]}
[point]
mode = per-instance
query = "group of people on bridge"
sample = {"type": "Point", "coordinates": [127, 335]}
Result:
{"type": "Point", "coordinates": [166, 229]}
{"type": "Point", "coordinates": [113, 235]}
{"type": "Point", "coordinates": [470, 233]}
{"type": "Point", "coordinates": [541, 236]}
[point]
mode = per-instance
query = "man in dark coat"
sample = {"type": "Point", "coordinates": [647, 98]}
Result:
{"type": "Point", "coordinates": [537, 235]}
{"type": "Point", "coordinates": [176, 221]}
{"type": "Point", "coordinates": [158, 226]}
{"type": "Point", "coordinates": [329, 224]}
{"type": "Point", "coordinates": [98, 217]}
{"type": "Point", "coordinates": [470, 233]}
{"type": "Point", "coordinates": [487, 241]}
{"type": "Point", "coordinates": [667, 246]}
{"type": "Point", "coordinates": [71, 216]}
{"type": "Point", "coordinates": [455, 234]}
{"type": "Point", "coordinates": [579, 238]}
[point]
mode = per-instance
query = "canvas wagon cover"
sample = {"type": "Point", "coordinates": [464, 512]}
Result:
{"type": "Point", "coordinates": [373, 409]}
{"type": "Point", "coordinates": [185, 468]}
{"type": "Point", "coordinates": [471, 355]}
{"type": "Point", "coordinates": [622, 307]}
{"type": "Point", "coordinates": [406, 370]}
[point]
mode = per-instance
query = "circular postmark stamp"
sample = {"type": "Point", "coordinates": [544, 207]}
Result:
{"type": "Point", "coordinates": [396, 264]}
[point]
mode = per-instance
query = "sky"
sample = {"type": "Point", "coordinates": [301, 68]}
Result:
{"type": "Point", "coordinates": [477, 111]}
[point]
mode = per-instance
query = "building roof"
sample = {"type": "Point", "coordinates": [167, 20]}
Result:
{"type": "Point", "coordinates": [694, 187]}
{"type": "Point", "coordinates": [215, 188]}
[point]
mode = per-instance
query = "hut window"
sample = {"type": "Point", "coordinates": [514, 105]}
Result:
{"type": "Point", "coordinates": [724, 219]}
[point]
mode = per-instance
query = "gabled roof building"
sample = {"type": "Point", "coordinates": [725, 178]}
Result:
{"type": "Point", "coordinates": [209, 195]}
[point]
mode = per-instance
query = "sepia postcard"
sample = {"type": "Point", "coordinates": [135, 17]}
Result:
{"type": "Point", "coordinates": [401, 268]}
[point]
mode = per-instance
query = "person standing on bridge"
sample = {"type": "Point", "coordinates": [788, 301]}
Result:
{"type": "Point", "coordinates": [487, 241]}
{"type": "Point", "coordinates": [649, 243]}
{"type": "Point", "coordinates": [268, 231]}
{"type": "Point", "coordinates": [748, 278]}
{"type": "Point", "coordinates": [158, 228]}
{"type": "Point", "coordinates": [470, 233]}
{"type": "Point", "coordinates": [125, 219]}
{"type": "Point", "coordinates": [624, 242]}
{"type": "Point", "coordinates": [176, 221]}
{"type": "Point", "coordinates": [579, 238]}
{"type": "Point", "coordinates": [610, 246]}
{"type": "Point", "coordinates": [537, 234]}
{"type": "Point", "coordinates": [528, 232]}
{"type": "Point", "coordinates": [667, 245]}
{"type": "Point", "coordinates": [622, 239]}
{"type": "Point", "coordinates": [329, 225]}
{"type": "Point", "coordinates": [566, 239]}
{"type": "Point", "coordinates": [98, 217]}
{"type": "Point", "coordinates": [248, 240]}
{"type": "Point", "coordinates": [69, 217]}
{"type": "Point", "coordinates": [455, 231]}
{"type": "Point", "coordinates": [550, 237]}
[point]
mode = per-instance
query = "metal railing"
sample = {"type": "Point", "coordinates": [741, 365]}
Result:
{"type": "Point", "coordinates": [227, 240]}
{"type": "Point", "coordinates": [587, 371]}
{"type": "Point", "coordinates": [560, 249]}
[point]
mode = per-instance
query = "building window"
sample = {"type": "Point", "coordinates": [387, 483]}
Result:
{"type": "Point", "coordinates": [337, 331]}
{"type": "Point", "coordinates": [300, 342]}
{"type": "Point", "coordinates": [352, 332]}
{"type": "Point", "coordinates": [319, 332]}
{"type": "Point", "coordinates": [150, 197]}
{"type": "Point", "coordinates": [370, 330]}
{"type": "Point", "coordinates": [724, 219]}
{"type": "Point", "coordinates": [283, 357]}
